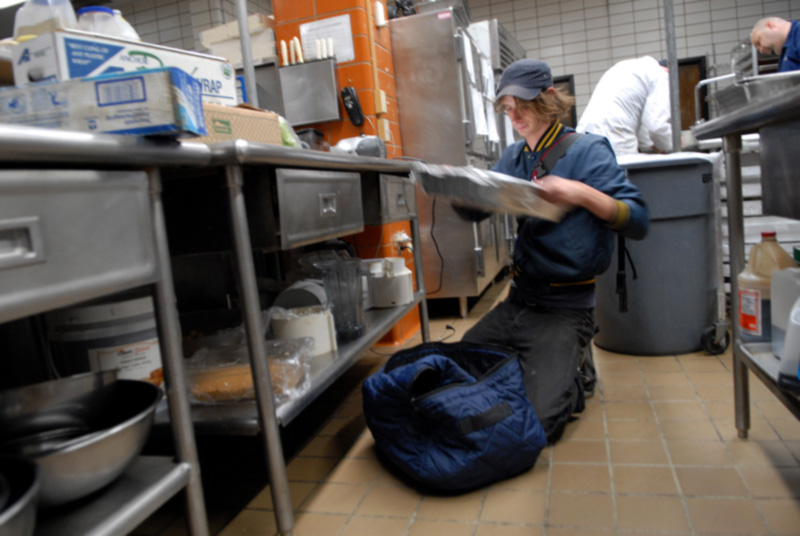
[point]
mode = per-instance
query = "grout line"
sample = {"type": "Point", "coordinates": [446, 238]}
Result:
{"type": "Point", "coordinates": [664, 445]}
{"type": "Point", "coordinates": [607, 437]}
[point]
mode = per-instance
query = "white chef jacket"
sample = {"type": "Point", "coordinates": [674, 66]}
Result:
{"type": "Point", "coordinates": [631, 97]}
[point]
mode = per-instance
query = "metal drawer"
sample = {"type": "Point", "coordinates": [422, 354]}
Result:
{"type": "Point", "coordinates": [388, 198]}
{"type": "Point", "coordinates": [317, 205]}
{"type": "Point", "coordinates": [68, 236]}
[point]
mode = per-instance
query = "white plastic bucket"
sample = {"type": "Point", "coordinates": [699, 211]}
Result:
{"type": "Point", "coordinates": [315, 321]}
{"type": "Point", "coordinates": [107, 335]}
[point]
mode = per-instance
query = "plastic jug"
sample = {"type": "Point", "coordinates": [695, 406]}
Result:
{"type": "Point", "coordinates": [755, 317]}
{"type": "Point", "coordinates": [789, 373]}
{"type": "Point", "coordinates": [36, 17]}
{"type": "Point", "coordinates": [126, 30]}
{"type": "Point", "coordinates": [785, 289]}
{"type": "Point", "coordinates": [99, 20]}
{"type": "Point", "coordinates": [342, 279]}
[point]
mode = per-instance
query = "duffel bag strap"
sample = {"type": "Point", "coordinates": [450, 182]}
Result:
{"type": "Point", "coordinates": [486, 419]}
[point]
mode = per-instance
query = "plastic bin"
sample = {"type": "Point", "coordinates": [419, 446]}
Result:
{"type": "Point", "coordinates": [673, 299]}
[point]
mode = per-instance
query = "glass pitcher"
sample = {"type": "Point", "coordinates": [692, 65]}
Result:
{"type": "Point", "coordinates": [342, 280]}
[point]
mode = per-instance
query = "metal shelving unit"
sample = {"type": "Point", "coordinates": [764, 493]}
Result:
{"type": "Point", "coordinates": [56, 280]}
{"type": "Point", "coordinates": [779, 110]}
{"type": "Point", "coordinates": [149, 483]}
{"type": "Point", "coordinates": [264, 415]}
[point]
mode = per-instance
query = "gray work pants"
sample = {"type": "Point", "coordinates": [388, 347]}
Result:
{"type": "Point", "coordinates": [552, 344]}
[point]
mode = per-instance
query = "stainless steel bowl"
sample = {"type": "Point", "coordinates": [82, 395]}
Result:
{"type": "Point", "coordinates": [18, 517]}
{"type": "Point", "coordinates": [82, 431]}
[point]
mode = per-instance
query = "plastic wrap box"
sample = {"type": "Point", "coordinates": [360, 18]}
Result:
{"type": "Point", "coordinates": [69, 54]}
{"type": "Point", "coordinates": [240, 123]}
{"type": "Point", "coordinates": [152, 102]}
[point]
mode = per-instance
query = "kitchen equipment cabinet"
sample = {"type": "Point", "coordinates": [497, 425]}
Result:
{"type": "Point", "coordinates": [445, 99]}
{"type": "Point", "coordinates": [777, 113]}
{"type": "Point", "coordinates": [69, 234]}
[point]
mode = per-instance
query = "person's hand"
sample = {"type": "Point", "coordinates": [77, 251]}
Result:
{"type": "Point", "coordinates": [570, 194]}
{"type": "Point", "coordinates": [559, 190]}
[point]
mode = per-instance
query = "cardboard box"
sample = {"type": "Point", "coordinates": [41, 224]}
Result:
{"type": "Point", "coordinates": [224, 40]}
{"type": "Point", "coordinates": [230, 30]}
{"type": "Point", "coordinates": [70, 54]}
{"type": "Point", "coordinates": [242, 122]}
{"type": "Point", "coordinates": [262, 48]}
{"type": "Point", "coordinates": [162, 102]}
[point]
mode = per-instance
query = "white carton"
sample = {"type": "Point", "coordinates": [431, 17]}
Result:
{"type": "Point", "coordinates": [69, 54]}
{"type": "Point", "coordinates": [162, 102]}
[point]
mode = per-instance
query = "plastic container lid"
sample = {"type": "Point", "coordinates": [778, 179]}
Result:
{"type": "Point", "coordinates": [97, 9]}
{"type": "Point", "coordinates": [768, 234]}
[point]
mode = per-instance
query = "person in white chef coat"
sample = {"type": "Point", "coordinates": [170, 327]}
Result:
{"type": "Point", "coordinates": [630, 106]}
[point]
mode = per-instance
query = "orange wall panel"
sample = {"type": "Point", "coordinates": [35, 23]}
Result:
{"type": "Point", "coordinates": [288, 10]}
{"type": "Point", "coordinates": [358, 75]}
{"type": "Point", "coordinates": [384, 61]}
{"type": "Point", "coordinates": [362, 49]}
{"type": "Point", "coordinates": [325, 8]}
{"type": "Point", "coordinates": [386, 82]}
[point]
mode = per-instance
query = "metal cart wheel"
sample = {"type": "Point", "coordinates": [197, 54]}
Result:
{"type": "Point", "coordinates": [711, 344]}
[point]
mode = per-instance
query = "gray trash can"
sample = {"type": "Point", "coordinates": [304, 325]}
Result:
{"type": "Point", "coordinates": [673, 299]}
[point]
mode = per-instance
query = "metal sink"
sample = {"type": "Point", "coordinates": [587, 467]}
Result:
{"type": "Point", "coordinates": [754, 89]}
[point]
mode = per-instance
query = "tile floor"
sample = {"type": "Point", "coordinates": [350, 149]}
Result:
{"type": "Point", "coordinates": [655, 453]}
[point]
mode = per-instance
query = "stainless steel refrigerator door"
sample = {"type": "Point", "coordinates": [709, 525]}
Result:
{"type": "Point", "coordinates": [430, 88]}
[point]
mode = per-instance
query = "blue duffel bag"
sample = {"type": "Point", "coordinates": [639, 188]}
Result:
{"type": "Point", "coordinates": [453, 416]}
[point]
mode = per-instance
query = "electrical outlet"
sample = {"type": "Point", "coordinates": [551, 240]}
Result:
{"type": "Point", "coordinates": [382, 108]}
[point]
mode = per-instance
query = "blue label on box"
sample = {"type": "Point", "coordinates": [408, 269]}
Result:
{"type": "Point", "coordinates": [122, 91]}
{"type": "Point", "coordinates": [83, 57]}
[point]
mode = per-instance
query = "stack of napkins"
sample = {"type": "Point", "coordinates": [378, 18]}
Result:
{"type": "Point", "coordinates": [486, 190]}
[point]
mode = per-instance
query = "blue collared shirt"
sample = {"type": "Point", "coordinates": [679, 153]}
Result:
{"type": "Point", "coordinates": [790, 54]}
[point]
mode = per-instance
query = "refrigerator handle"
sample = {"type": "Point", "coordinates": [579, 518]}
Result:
{"type": "Point", "coordinates": [480, 266]}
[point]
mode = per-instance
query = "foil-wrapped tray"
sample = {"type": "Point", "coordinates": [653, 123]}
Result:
{"type": "Point", "coordinates": [486, 190]}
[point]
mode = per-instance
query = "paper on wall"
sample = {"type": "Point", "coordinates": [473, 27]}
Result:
{"type": "Point", "coordinates": [336, 29]}
{"type": "Point", "coordinates": [478, 113]}
{"type": "Point", "coordinates": [488, 78]}
{"type": "Point", "coordinates": [491, 118]}
{"type": "Point", "coordinates": [468, 58]}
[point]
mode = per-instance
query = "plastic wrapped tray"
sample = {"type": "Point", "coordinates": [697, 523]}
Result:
{"type": "Point", "coordinates": [223, 374]}
{"type": "Point", "coordinates": [486, 190]}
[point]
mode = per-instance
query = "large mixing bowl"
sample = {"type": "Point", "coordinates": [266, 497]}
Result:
{"type": "Point", "coordinates": [18, 515]}
{"type": "Point", "coordinates": [82, 431]}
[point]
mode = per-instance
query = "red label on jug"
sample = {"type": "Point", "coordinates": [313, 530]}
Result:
{"type": "Point", "coordinates": [750, 311]}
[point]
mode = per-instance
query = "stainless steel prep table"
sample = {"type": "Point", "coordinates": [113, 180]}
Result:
{"type": "Point", "coordinates": [233, 158]}
{"type": "Point", "coordinates": [41, 168]}
{"type": "Point", "coordinates": [782, 110]}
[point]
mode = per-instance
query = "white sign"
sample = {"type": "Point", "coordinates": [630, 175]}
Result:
{"type": "Point", "coordinates": [335, 28]}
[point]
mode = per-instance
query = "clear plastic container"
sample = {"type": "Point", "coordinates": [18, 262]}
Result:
{"type": "Point", "coordinates": [99, 20]}
{"type": "Point", "coordinates": [766, 257]}
{"type": "Point", "coordinates": [126, 30]}
{"type": "Point", "coordinates": [784, 291]}
{"type": "Point", "coordinates": [789, 372]}
{"type": "Point", "coordinates": [36, 17]}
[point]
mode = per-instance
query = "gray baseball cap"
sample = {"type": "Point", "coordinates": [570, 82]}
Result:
{"type": "Point", "coordinates": [524, 79]}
